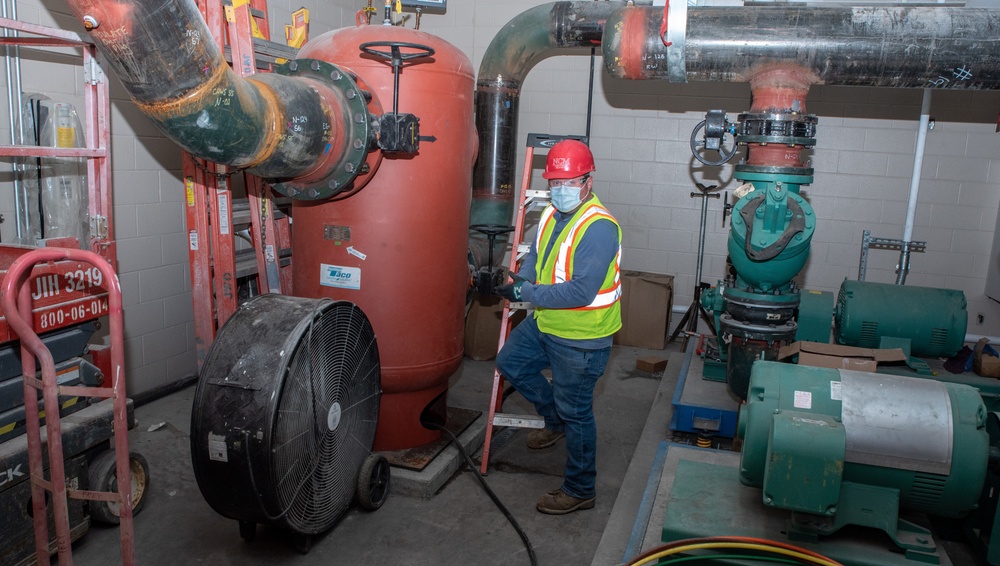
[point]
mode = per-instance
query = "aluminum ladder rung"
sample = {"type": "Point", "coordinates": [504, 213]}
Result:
{"type": "Point", "coordinates": [518, 421]}
{"type": "Point", "coordinates": [519, 306]}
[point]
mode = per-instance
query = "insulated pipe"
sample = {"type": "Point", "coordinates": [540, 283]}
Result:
{"type": "Point", "coordinates": [524, 41]}
{"type": "Point", "coordinates": [275, 126]}
{"type": "Point", "coordinates": [781, 88]}
{"type": "Point", "coordinates": [871, 46]}
{"type": "Point", "coordinates": [911, 203]}
{"type": "Point", "coordinates": [945, 47]}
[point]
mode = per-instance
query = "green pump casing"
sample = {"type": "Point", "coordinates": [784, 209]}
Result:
{"type": "Point", "coordinates": [934, 320]}
{"type": "Point", "coordinates": [764, 218]}
{"type": "Point", "coordinates": [809, 432]}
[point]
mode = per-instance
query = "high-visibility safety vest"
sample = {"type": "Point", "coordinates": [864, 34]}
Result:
{"type": "Point", "coordinates": [600, 318]}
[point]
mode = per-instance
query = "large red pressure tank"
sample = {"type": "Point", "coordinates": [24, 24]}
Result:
{"type": "Point", "coordinates": [397, 247]}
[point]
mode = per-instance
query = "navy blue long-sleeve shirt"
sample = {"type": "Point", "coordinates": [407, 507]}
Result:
{"type": "Point", "coordinates": [591, 259]}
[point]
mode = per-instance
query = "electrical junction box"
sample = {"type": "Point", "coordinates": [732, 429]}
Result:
{"type": "Point", "coordinates": [840, 357]}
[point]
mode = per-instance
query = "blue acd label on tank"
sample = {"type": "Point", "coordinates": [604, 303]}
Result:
{"type": "Point", "coordinates": [339, 276]}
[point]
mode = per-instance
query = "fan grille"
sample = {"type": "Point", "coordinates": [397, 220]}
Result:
{"type": "Point", "coordinates": [326, 417]}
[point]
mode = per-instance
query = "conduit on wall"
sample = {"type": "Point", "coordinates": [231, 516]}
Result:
{"type": "Point", "coordinates": [911, 203]}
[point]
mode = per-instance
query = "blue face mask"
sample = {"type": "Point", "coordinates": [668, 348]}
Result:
{"type": "Point", "coordinates": [565, 198]}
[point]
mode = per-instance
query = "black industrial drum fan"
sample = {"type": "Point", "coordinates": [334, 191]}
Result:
{"type": "Point", "coordinates": [284, 416]}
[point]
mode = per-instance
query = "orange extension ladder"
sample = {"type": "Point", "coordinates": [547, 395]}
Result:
{"type": "Point", "coordinates": [213, 214]}
{"type": "Point", "coordinates": [527, 201]}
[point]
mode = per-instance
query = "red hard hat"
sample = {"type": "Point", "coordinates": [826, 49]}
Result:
{"type": "Point", "coordinates": [568, 159]}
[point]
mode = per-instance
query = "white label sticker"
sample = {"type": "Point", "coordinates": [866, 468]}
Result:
{"type": "Point", "coordinates": [356, 253]}
{"type": "Point", "coordinates": [803, 400]}
{"type": "Point", "coordinates": [339, 276]}
{"type": "Point", "coordinates": [193, 240]}
{"type": "Point", "coordinates": [217, 448]}
{"type": "Point", "coordinates": [810, 421]}
{"type": "Point", "coordinates": [224, 212]}
{"type": "Point", "coordinates": [835, 391]}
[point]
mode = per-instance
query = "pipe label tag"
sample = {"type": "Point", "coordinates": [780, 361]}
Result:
{"type": "Point", "coordinates": [339, 276]}
{"type": "Point", "coordinates": [356, 253]}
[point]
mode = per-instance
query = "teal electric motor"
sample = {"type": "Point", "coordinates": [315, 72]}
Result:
{"type": "Point", "coordinates": [933, 320]}
{"type": "Point", "coordinates": [838, 447]}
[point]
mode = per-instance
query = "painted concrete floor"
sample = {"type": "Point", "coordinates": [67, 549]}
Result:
{"type": "Point", "coordinates": [458, 525]}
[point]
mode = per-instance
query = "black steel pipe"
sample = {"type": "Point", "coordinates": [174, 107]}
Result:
{"type": "Point", "coordinates": [275, 126]}
{"type": "Point", "coordinates": [902, 47]}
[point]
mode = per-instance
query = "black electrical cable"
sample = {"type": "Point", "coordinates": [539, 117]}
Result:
{"type": "Point", "coordinates": [590, 93]}
{"type": "Point", "coordinates": [489, 491]}
{"type": "Point", "coordinates": [507, 392]}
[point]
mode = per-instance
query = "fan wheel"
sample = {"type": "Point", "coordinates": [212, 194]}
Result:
{"type": "Point", "coordinates": [302, 543]}
{"type": "Point", "coordinates": [373, 482]}
{"type": "Point", "coordinates": [248, 530]}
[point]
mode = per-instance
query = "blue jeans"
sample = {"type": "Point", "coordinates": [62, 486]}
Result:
{"type": "Point", "coordinates": [567, 404]}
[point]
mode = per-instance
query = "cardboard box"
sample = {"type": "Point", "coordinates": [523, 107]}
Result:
{"type": "Point", "coordinates": [984, 364]}
{"type": "Point", "coordinates": [482, 327]}
{"type": "Point", "coordinates": [646, 302]}
{"type": "Point", "coordinates": [652, 364]}
{"type": "Point", "coordinates": [840, 357]}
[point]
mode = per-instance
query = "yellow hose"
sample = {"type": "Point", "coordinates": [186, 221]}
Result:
{"type": "Point", "coordinates": [740, 545]}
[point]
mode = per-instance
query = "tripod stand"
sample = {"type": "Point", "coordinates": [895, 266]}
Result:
{"type": "Point", "coordinates": [689, 323]}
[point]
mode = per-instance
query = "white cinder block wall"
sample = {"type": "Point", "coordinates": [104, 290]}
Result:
{"type": "Point", "coordinates": [639, 133]}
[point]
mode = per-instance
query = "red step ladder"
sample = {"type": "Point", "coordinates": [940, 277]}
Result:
{"type": "Point", "coordinates": [527, 201]}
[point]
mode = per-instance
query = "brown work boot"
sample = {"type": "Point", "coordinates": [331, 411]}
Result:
{"type": "Point", "coordinates": [559, 502]}
{"type": "Point", "coordinates": [543, 438]}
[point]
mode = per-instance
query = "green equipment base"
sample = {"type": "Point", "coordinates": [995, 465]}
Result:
{"type": "Point", "coordinates": [700, 495]}
{"type": "Point", "coordinates": [714, 370]}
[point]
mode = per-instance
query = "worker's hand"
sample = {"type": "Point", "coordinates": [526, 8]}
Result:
{"type": "Point", "coordinates": [511, 292]}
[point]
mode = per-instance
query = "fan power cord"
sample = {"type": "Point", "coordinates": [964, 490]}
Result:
{"type": "Point", "coordinates": [489, 491]}
{"type": "Point", "coordinates": [257, 492]}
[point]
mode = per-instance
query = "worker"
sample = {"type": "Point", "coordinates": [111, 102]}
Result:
{"type": "Point", "coordinates": [571, 277]}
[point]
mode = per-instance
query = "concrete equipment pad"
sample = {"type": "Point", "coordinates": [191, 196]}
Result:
{"type": "Point", "coordinates": [699, 494]}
